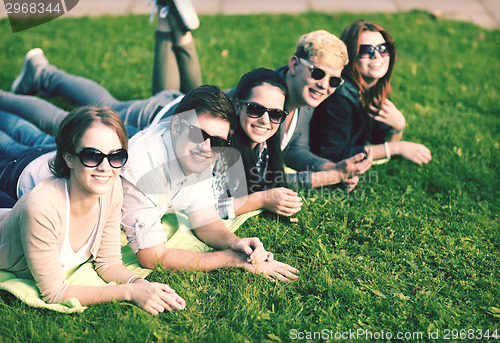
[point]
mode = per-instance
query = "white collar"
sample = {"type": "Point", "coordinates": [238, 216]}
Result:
{"type": "Point", "coordinates": [174, 169]}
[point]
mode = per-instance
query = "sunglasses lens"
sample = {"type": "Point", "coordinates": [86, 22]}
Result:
{"type": "Point", "coordinates": [255, 110]}
{"type": "Point", "coordinates": [383, 49]}
{"type": "Point", "coordinates": [196, 135]}
{"type": "Point", "coordinates": [277, 116]}
{"type": "Point", "coordinates": [216, 142]}
{"type": "Point", "coordinates": [366, 50]}
{"type": "Point", "coordinates": [118, 158]}
{"type": "Point", "coordinates": [335, 81]}
{"type": "Point", "coordinates": [91, 157]}
{"type": "Point", "coordinates": [317, 73]}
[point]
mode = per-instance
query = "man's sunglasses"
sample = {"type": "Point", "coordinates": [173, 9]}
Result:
{"type": "Point", "coordinates": [91, 157]}
{"type": "Point", "coordinates": [368, 51]}
{"type": "Point", "coordinates": [197, 135]}
{"type": "Point", "coordinates": [319, 74]}
{"type": "Point", "coordinates": [255, 110]}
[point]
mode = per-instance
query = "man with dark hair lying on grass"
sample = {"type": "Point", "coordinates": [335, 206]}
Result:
{"type": "Point", "coordinates": [169, 169]}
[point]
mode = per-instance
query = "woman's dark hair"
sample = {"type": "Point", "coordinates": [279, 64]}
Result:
{"type": "Point", "coordinates": [382, 89]}
{"type": "Point", "coordinates": [73, 127]}
{"type": "Point", "coordinates": [275, 175]}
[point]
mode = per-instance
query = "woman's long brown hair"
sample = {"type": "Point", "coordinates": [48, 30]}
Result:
{"type": "Point", "coordinates": [382, 89]}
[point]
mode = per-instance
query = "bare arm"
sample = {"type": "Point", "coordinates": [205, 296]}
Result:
{"type": "Point", "coordinates": [249, 203]}
{"type": "Point", "coordinates": [415, 152]}
{"type": "Point", "coordinates": [186, 260]}
{"type": "Point", "coordinates": [152, 297]}
{"type": "Point", "coordinates": [178, 260]}
{"type": "Point", "coordinates": [282, 201]}
{"type": "Point", "coordinates": [209, 228]}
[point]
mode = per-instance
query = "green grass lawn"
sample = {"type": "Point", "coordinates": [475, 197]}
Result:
{"type": "Point", "coordinates": [413, 249]}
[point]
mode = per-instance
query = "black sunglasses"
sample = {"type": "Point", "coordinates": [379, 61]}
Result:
{"type": "Point", "coordinates": [197, 135]}
{"type": "Point", "coordinates": [368, 51]}
{"type": "Point", "coordinates": [91, 157]}
{"type": "Point", "coordinates": [255, 110]}
{"type": "Point", "coordinates": [319, 74]}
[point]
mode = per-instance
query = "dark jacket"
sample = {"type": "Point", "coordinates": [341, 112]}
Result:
{"type": "Point", "coordinates": [341, 129]}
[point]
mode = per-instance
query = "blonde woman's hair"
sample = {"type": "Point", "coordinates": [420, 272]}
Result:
{"type": "Point", "coordinates": [321, 47]}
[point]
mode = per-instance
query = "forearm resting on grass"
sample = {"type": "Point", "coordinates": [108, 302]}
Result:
{"type": "Point", "coordinates": [185, 260]}
{"type": "Point", "coordinates": [273, 270]}
{"type": "Point", "coordinates": [217, 236]}
{"type": "Point", "coordinates": [210, 229]}
{"type": "Point", "coordinates": [414, 152]}
{"type": "Point", "coordinates": [152, 297]}
{"type": "Point", "coordinates": [280, 200]}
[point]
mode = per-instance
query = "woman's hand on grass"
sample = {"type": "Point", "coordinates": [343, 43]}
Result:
{"type": "Point", "coordinates": [415, 152]}
{"type": "Point", "coordinates": [155, 297]}
{"type": "Point", "coordinates": [282, 201]}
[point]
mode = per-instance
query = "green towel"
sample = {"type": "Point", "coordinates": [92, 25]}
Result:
{"type": "Point", "coordinates": [179, 235]}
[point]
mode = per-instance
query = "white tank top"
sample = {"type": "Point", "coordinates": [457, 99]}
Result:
{"type": "Point", "coordinates": [70, 258]}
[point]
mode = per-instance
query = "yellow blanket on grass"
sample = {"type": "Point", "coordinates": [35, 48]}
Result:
{"type": "Point", "coordinates": [179, 234]}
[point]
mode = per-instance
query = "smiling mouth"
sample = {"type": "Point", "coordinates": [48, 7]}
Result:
{"type": "Point", "coordinates": [199, 157]}
{"type": "Point", "coordinates": [375, 65]}
{"type": "Point", "coordinates": [315, 93]}
{"type": "Point", "coordinates": [260, 129]}
{"type": "Point", "coordinates": [102, 179]}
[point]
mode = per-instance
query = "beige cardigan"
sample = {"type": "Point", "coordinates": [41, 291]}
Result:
{"type": "Point", "coordinates": [31, 236]}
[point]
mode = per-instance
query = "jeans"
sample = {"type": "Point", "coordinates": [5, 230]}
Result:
{"type": "Point", "coordinates": [81, 91]}
{"type": "Point", "coordinates": [38, 111]}
{"type": "Point", "coordinates": [20, 143]}
{"type": "Point", "coordinates": [6, 201]}
{"type": "Point", "coordinates": [175, 66]}
{"type": "Point", "coordinates": [17, 136]}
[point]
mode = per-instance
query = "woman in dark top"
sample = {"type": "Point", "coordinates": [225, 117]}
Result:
{"type": "Point", "coordinates": [360, 110]}
{"type": "Point", "coordinates": [259, 101]}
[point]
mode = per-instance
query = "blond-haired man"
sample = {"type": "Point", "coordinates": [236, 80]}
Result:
{"type": "Point", "coordinates": [312, 74]}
